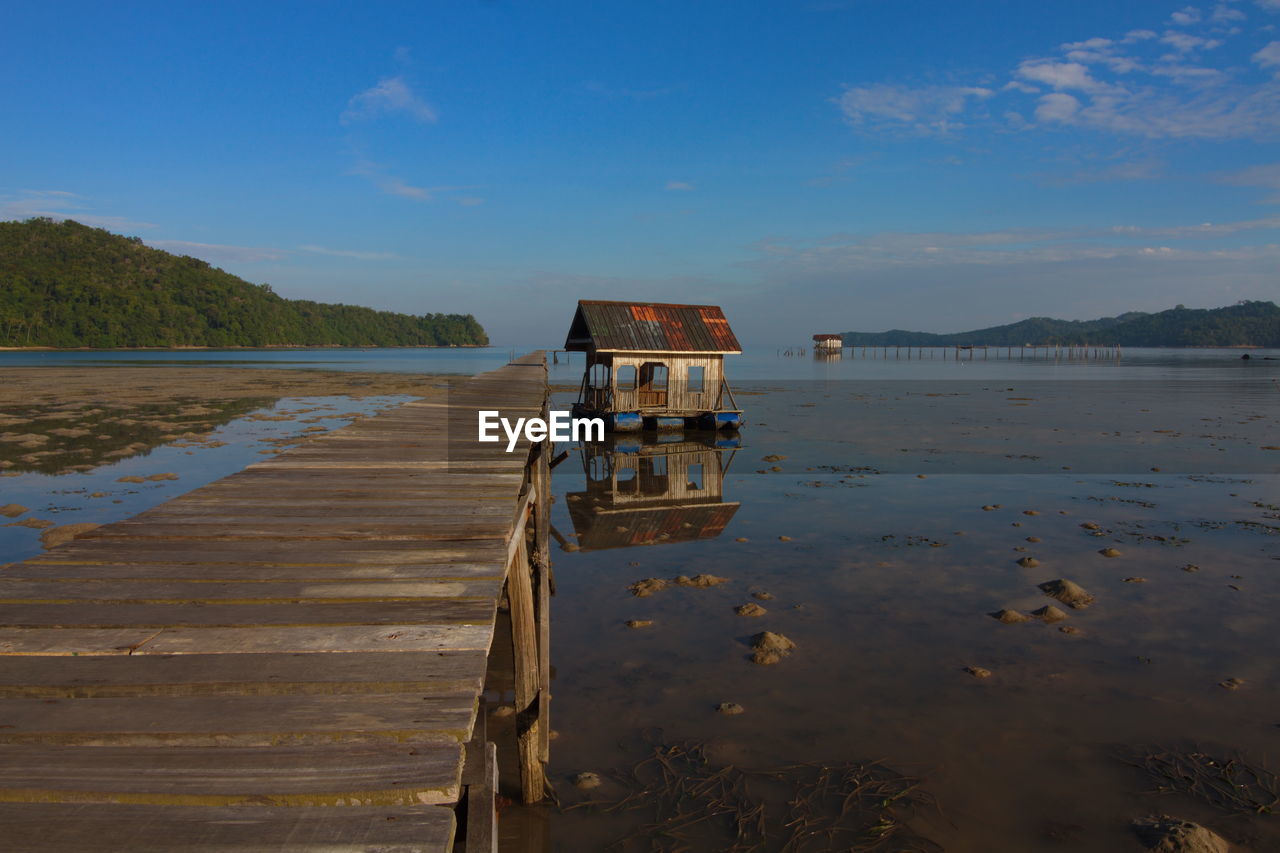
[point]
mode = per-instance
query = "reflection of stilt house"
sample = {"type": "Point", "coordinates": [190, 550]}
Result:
{"type": "Point", "coordinates": [651, 494]}
{"type": "Point", "coordinates": [654, 365]}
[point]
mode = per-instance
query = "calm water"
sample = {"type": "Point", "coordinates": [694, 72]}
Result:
{"type": "Point", "coordinates": [885, 504]}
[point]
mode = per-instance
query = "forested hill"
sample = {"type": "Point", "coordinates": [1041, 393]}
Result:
{"type": "Point", "coordinates": [1244, 324]}
{"type": "Point", "coordinates": [63, 284]}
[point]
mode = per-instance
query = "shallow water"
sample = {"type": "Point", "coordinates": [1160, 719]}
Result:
{"type": "Point", "coordinates": [885, 582]}
{"type": "Point", "coordinates": [217, 438]}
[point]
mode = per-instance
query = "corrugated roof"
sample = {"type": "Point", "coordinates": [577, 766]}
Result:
{"type": "Point", "coordinates": [650, 327]}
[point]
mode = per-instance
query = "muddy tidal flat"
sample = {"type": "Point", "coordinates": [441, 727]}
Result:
{"type": "Point", "coordinates": [1019, 615]}
{"type": "Point", "coordinates": [80, 447]}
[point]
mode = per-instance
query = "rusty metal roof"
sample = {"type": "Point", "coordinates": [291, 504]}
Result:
{"type": "Point", "coordinates": [650, 327]}
{"type": "Point", "coordinates": [655, 525]}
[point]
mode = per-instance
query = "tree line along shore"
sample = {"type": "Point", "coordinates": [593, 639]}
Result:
{"type": "Point", "coordinates": [66, 286]}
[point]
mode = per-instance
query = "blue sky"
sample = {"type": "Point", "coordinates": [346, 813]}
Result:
{"type": "Point", "coordinates": [811, 166]}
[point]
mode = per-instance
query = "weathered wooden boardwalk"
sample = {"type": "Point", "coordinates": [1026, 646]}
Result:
{"type": "Point", "coordinates": [289, 658]}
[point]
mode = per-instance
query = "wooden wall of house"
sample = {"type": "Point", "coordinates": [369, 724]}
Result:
{"type": "Point", "coordinates": [640, 479]}
{"type": "Point", "coordinates": [679, 397]}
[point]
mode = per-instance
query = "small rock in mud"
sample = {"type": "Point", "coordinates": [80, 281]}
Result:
{"type": "Point", "coordinates": [742, 539]}
{"type": "Point", "coordinates": [1110, 552]}
{"type": "Point", "coordinates": [921, 477]}
{"type": "Point", "coordinates": [1191, 567]}
{"type": "Point", "coordinates": [1033, 539]}
{"type": "Point", "coordinates": [1135, 580]}
{"type": "Point", "coordinates": [587, 780]}
{"type": "Point", "coordinates": [1030, 512]}
{"type": "Point", "coordinates": [130, 480]}
{"type": "Point", "coordinates": [1089, 525]}
{"type": "Point", "coordinates": [1010, 617]}
{"type": "Point", "coordinates": [762, 596]}
{"type": "Point", "coordinates": [65, 533]}
{"type": "Point", "coordinates": [12, 510]}
{"type": "Point", "coordinates": [1165, 834]}
{"type": "Point", "coordinates": [1069, 629]}
{"type": "Point", "coordinates": [772, 457]}
{"type": "Point", "coordinates": [775, 468]}
{"type": "Point", "coordinates": [1049, 614]}
{"type": "Point", "coordinates": [730, 709]}
{"type": "Point", "coordinates": [770, 648]}
{"type": "Point", "coordinates": [648, 586]}
{"type": "Point", "coordinates": [700, 581]}
{"type": "Point", "coordinates": [639, 623]}
{"type": "Point", "coordinates": [978, 672]}
{"type": "Point", "coordinates": [570, 547]}
{"type": "Point", "coordinates": [784, 538]}
{"type": "Point", "coordinates": [168, 475]}
{"type": "Point", "coordinates": [1231, 683]}
{"type": "Point", "coordinates": [1068, 592]}
{"type": "Point", "coordinates": [988, 508]}
{"type": "Point", "coordinates": [1028, 562]}
{"type": "Point", "coordinates": [750, 609]}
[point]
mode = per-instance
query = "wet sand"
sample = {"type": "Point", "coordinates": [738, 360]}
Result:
{"type": "Point", "coordinates": [1025, 734]}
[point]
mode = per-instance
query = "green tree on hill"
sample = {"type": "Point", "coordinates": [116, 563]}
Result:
{"type": "Point", "coordinates": [63, 284]}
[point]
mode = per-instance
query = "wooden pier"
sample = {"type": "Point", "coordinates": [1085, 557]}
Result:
{"type": "Point", "coordinates": [290, 658]}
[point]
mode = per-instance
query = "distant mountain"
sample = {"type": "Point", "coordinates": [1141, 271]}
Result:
{"type": "Point", "coordinates": [63, 284]}
{"type": "Point", "coordinates": [1246, 323]}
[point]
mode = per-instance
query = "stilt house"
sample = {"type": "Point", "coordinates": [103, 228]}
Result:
{"type": "Point", "coordinates": [654, 365]}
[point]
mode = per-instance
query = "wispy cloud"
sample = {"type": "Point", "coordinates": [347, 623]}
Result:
{"type": "Point", "coordinates": [1265, 176]}
{"type": "Point", "coordinates": [391, 95]}
{"type": "Point", "coordinates": [347, 253]}
{"type": "Point", "coordinates": [1158, 85]}
{"type": "Point", "coordinates": [678, 186]}
{"type": "Point", "coordinates": [218, 253]}
{"type": "Point", "coordinates": [927, 109]}
{"type": "Point", "coordinates": [60, 205]}
{"type": "Point", "coordinates": [391, 184]}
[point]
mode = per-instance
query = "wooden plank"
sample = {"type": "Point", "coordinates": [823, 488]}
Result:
{"type": "Point", "coordinates": [177, 591]}
{"type": "Point", "coordinates": [84, 641]}
{"type": "Point", "coordinates": [332, 640]}
{"type": "Point", "coordinates": [257, 721]}
{"type": "Point", "coordinates": [240, 674]}
{"type": "Point", "coordinates": [124, 615]}
{"type": "Point", "coordinates": [524, 637]}
{"type": "Point", "coordinates": [95, 828]}
{"type": "Point", "coordinates": [342, 774]}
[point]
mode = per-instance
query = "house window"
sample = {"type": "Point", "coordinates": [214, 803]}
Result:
{"type": "Point", "coordinates": [599, 376]}
{"type": "Point", "coordinates": [696, 379]}
{"type": "Point", "coordinates": [694, 482]}
{"type": "Point", "coordinates": [626, 377]}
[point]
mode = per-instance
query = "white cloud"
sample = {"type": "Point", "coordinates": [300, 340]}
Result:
{"type": "Point", "coordinates": [391, 95]}
{"type": "Point", "coordinates": [1269, 56]}
{"type": "Point", "coordinates": [678, 186]}
{"type": "Point", "coordinates": [393, 185]}
{"type": "Point", "coordinates": [1057, 107]}
{"type": "Point", "coordinates": [1188, 15]}
{"type": "Point", "coordinates": [927, 109]}
{"type": "Point", "coordinates": [1059, 75]}
{"type": "Point", "coordinates": [1184, 43]}
{"type": "Point", "coordinates": [1144, 84]}
{"type": "Point", "coordinates": [214, 252]}
{"type": "Point", "coordinates": [1223, 13]}
{"type": "Point", "coordinates": [1265, 176]}
{"type": "Point", "coordinates": [1269, 5]}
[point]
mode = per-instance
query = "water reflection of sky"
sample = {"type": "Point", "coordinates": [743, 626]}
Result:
{"type": "Point", "coordinates": [755, 364]}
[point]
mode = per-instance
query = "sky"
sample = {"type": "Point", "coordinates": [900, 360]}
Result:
{"type": "Point", "coordinates": [811, 166]}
